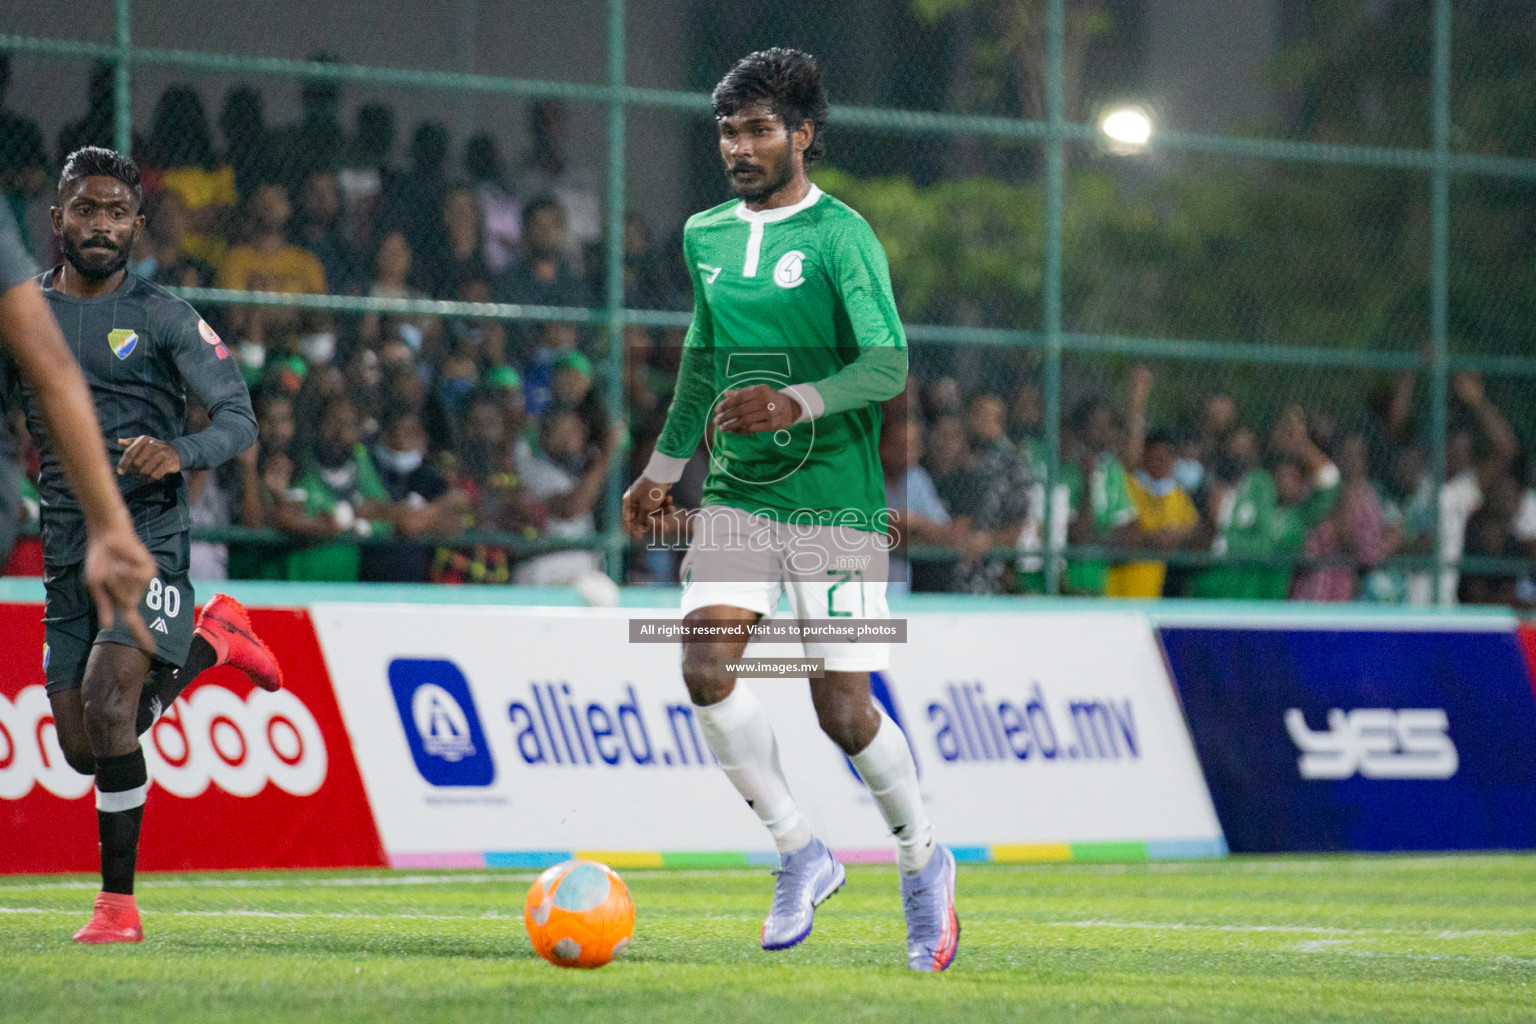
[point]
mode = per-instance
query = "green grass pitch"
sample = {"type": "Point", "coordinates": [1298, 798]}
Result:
{"type": "Point", "coordinates": [1246, 939]}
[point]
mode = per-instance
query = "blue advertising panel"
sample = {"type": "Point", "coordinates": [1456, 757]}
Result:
{"type": "Point", "coordinates": [1376, 739]}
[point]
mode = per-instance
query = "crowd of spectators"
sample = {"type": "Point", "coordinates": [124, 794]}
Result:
{"type": "Point", "coordinates": [1313, 509]}
{"type": "Point", "coordinates": [390, 428]}
{"type": "Point", "coordinates": [411, 431]}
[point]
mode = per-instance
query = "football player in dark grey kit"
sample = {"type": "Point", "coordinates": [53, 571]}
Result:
{"type": "Point", "coordinates": [118, 568]}
{"type": "Point", "coordinates": [141, 350]}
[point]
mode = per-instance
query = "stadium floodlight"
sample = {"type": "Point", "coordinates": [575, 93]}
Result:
{"type": "Point", "coordinates": [1127, 129]}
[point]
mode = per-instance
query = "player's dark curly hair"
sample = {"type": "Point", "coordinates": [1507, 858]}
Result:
{"type": "Point", "coordinates": [787, 82]}
{"type": "Point", "coordinates": [98, 161]}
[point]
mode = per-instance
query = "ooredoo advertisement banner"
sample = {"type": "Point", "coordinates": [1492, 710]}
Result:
{"type": "Point", "coordinates": [510, 735]}
{"type": "Point", "coordinates": [1362, 739]}
{"type": "Point", "coordinates": [241, 778]}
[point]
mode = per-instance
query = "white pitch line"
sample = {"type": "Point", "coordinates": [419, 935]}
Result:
{"type": "Point", "coordinates": [151, 883]}
{"type": "Point", "coordinates": [1159, 926]}
{"type": "Point", "coordinates": [285, 883]}
{"type": "Point", "coordinates": [1523, 961]}
{"type": "Point", "coordinates": [281, 883]}
{"type": "Point", "coordinates": [1443, 935]}
{"type": "Point", "coordinates": [285, 915]}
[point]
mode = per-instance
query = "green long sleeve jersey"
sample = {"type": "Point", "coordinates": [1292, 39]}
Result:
{"type": "Point", "coordinates": [799, 299]}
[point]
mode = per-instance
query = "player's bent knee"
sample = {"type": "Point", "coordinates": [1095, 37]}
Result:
{"type": "Point", "coordinates": [109, 712]}
{"type": "Point", "coordinates": [846, 724]}
{"type": "Point", "coordinates": [109, 715]}
{"type": "Point", "coordinates": [77, 754]}
{"type": "Point", "coordinates": [703, 675]}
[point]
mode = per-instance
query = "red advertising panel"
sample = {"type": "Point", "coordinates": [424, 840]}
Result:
{"type": "Point", "coordinates": [1527, 634]}
{"type": "Point", "coordinates": [242, 778]}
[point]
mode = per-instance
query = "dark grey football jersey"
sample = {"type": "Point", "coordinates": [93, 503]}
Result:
{"type": "Point", "coordinates": [16, 267]}
{"type": "Point", "coordinates": [141, 350]}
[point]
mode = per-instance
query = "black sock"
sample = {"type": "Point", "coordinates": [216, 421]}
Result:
{"type": "Point", "coordinates": [165, 684]}
{"type": "Point", "coordinates": [200, 658]}
{"type": "Point", "coordinates": [121, 784]}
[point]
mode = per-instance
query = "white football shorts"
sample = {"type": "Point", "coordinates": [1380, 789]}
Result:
{"type": "Point", "coordinates": [747, 561]}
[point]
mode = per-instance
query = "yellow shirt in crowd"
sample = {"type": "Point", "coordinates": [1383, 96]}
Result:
{"type": "Point", "coordinates": [1145, 579]}
{"type": "Point", "coordinates": [200, 187]}
{"type": "Point", "coordinates": [289, 269]}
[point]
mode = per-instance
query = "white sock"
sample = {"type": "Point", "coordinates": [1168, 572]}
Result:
{"type": "Point", "coordinates": [887, 768]}
{"type": "Point", "coordinates": [739, 733]}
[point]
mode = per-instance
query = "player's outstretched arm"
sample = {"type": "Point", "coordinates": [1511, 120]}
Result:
{"type": "Point", "coordinates": [214, 377]}
{"type": "Point", "coordinates": [117, 566]}
{"type": "Point", "coordinates": [695, 391]}
{"type": "Point", "coordinates": [649, 495]}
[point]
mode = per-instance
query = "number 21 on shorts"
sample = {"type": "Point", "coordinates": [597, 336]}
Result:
{"type": "Point", "coordinates": [847, 576]}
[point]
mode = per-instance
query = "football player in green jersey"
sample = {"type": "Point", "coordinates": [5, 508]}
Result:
{"type": "Point", "coordinates": [794, 344]}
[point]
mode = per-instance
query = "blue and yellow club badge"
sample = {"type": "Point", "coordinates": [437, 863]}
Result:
{"type": "Point", "coordinates": [123, 342]}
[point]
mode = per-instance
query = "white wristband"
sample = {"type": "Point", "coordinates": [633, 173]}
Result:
{"type": "Point", "coordinates": [665, 469]}
{"type": "Point", "coordinates": [811, 403]}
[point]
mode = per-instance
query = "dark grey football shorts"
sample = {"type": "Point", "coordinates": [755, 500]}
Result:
{"type": "Point", "coordinates": [69, 615]}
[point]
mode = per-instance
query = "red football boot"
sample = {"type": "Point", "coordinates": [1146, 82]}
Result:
{"type": "Point", "coordinates": [116, 919]}
{"type": "Point", "coordinates": [227, 628]}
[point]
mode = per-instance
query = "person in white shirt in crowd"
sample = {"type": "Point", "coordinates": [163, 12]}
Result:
{"type": "Point", "coordinates": [1466, 481]}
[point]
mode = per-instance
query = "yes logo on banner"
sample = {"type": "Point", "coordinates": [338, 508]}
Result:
{"type": "Point", "coordinates": [1373, 738]}
{"type": "Point", "coordinates": [440, 722]}
{"type": "Point", "coordinates": [1379, 743]}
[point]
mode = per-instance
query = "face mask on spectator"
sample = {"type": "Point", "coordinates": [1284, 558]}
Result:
{"type": "Point", "coordinates": [251, 355]}
{"type": "Point", "coordinates": [1188, 473]}
{"type": "Point", "coordinates": [1156, 488]}
{"type": "Point", "coordinates": [403, 463]}
{"type": "Point", "coordinates": [411, 335]}
{"type": "Point", "coordinates": [318, 348]}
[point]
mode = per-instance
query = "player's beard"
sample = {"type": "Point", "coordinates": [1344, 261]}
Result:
{"type": "Point", "coordinates": [98, 264]}
{"type": "Point", "coordinates": [770, 184]}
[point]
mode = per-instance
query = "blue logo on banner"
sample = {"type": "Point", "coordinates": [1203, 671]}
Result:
{"type": "Point", "coordinates": [1361, 740]}
{"type": "Point", "coordinates": [440, 722]}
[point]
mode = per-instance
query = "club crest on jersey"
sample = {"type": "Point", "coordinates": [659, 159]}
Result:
{"type": "Point", "coordinates": [788, 272]}
{"type": "Point", "coordinates": [123, 342]}
{"type": "Point", "coordinates": [212, 337]}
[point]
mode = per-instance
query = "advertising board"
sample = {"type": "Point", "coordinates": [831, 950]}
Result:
{"type": "Point", "coordinates": [517, 735]}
